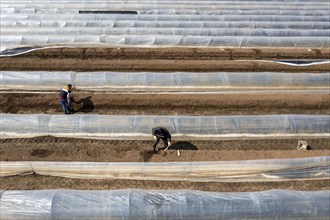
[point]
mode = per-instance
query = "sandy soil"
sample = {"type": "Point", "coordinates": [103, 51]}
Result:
{"type": "Point", "coordinates": [170, 104]}
{"type": "Point", "coordinates": [36, 182]}
{"type": "Point", "coordinates": [95, 64]}
{"type": "Point", "coordinates": [71, 149]}
{"type": "Point", "coordinates": [165, 59]}
{"type": "Point", "coordinates": [182, 53]}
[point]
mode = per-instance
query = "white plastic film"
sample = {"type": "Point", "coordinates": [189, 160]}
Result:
{"type": "Point", "coordinates": [15, 168]}
{"type": "Point", "coordinates": [215, 171]}
{"type": "Point", "coordinates": [156, 204]}
{"type": "Point", "coordinates": [166, 24]}
{"type": "Point", "coordinates": [162, 81]}
{"type": "Point", "coordinates": [14, 44]}
{"type": "Point", "coordinates": [181, 127]}
{"type": "Point", "coordinates": [165, 17]}
{"type": "Point", "coordinates": [311, 12]}
{"type": "Point", "coordinates": [163, 31]}
{"type": "Point", "coordinates": [152, 5]}
{"type": "Point", "coordinates": [163, 23]}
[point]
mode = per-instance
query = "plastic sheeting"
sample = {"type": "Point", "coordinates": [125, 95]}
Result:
{"type": "Point", "coordinates": [311, 12]}
{"type": "Point", "coordinates": [258, 25]}
{"type": "Point", "coordinates": [165, 31]}
{"type": "Point", "coordinates": [175, 17]}
{"type": "Point", "coordinates": [182, 127]}
{"type": "Point", "coordinates": [302, 62]}
{"type": "Point", "coordinates": [17, 41]}
{"type": "Point", "coordinates": [215, 171]}
{"type": "Point", "coordinates": [182, 205]}
{"type": "Point", "coordinates": [163, 23]}
{"type": "Point", "coordinates": [160, 81]}
{"type": "Point", "coordinates": [172, 5]}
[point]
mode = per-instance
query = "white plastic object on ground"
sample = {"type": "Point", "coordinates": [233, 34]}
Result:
{"type": "Point", "coordinates": [156, 204]}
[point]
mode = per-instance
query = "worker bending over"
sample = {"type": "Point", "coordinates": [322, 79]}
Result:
{"type": "Point", "coordinates": [161, 133]}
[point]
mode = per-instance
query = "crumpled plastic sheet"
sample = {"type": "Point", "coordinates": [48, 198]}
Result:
{"type": "Point", "coordinates": [134, 127]}
{"type": "Point", "coordinates": [163, 23]}
{"type": "Point", "coordinates": [161, 81]}
{"type": "Point", "coordinates": [156, 204]}
{"type": "Point", "coordinates": [215, 171]}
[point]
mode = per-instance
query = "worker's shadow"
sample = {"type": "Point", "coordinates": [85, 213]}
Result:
{"type": "Point", "coordinates": [146, 155]}
{"type": "Point", "coordinates": [181, 145]}
{"type": "Point", "coordinates": [87, 105]}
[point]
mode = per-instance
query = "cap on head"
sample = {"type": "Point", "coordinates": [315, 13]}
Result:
{"type": "Point", "coordinates": [68, 87]}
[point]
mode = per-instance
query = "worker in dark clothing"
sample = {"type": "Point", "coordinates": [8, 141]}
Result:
{"type": "Point", "coordinates": [161, 133]}
{"type": "Point", "coordinates": [65, 99]}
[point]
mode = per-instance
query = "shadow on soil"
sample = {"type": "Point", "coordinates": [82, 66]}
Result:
{"type": "Point", "coordinates": [146, 155]}
{"type": "Point", "coordinates": [87, 105]}
{"type": "Point", "coordinates": [181, 145]}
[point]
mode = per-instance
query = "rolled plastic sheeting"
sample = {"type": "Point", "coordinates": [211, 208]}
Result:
{"type": "Point", "coordinates": [174, 81]}
{"type": "Point", "coordinates": [217, 171]}
{"type": "Point", "coordinates": [156, 204]}
{"type": "Point", "coordinates": [182, 127]}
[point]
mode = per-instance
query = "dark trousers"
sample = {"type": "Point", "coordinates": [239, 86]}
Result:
{"type": "Point", "coordinates": [64, 106]}
{"type": "Point", "coordinates": [157, 139]}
